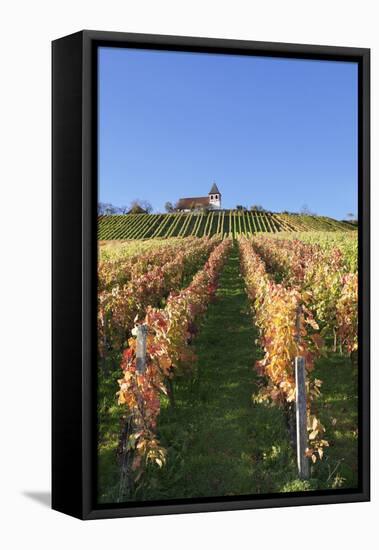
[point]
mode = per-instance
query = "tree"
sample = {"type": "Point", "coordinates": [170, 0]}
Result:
{"type": "Point", "coordinates": [137, 205]}
{"type": "Point", "coordinates": [306, 211]}
{"type": "Point", "coordinates": [240, 207]}
{"type": "Point", "coordinates": [351, 218]}
{"type": "Point", "coordinates": [257, 208]}
{"type": "Point", "coordinates": [289, 213]}
{"type": "Point", "coordinates": [123, 209]}
{"type": "Point", "coordinates": [106, 209]}
{"type": "Point", "coordinates": [146, 205]}
{"type": "Point", "coordinates": [169, 207]}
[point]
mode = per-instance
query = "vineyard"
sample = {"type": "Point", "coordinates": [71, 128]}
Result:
{"type": "Point", "coordinates": [225, 223]}
{"type": "Point", "coordinates": [198, 339]}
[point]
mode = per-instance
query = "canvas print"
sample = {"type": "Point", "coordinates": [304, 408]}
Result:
{"type": "Point", "coordinates": [227, 288]}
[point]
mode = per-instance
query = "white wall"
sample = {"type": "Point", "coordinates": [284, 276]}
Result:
{"type": "Point", "coordinates": [26, 31]}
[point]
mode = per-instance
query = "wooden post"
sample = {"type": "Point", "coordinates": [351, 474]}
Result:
{"type": "Point", "coordinates": [126, 479]}
{"type": "Point", "coordinates": [141, 332]}
{"type": "Point", "coordinates": [301, 418]}
{"type": "Point", "coordinates": [298, 313]}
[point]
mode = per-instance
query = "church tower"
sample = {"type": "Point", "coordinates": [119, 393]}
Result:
{"type": "Point", "coordinates": [214, 197]}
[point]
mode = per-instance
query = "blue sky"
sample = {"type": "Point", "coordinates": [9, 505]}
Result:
{"type": "Point", "coordinates": [281, 133]}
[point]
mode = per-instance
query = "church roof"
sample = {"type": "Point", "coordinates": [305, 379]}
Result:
{"type": "Point", "coordinates": [192, 202]}
{"type": "Point", "coordinates": [214, 189]}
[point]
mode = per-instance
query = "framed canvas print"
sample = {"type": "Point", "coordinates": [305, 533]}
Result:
{"type": "Point", "coordinates": [210, 274]}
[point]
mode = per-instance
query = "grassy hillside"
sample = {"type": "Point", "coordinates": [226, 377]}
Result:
{"type": "Point", "coordinates": [226, 222]}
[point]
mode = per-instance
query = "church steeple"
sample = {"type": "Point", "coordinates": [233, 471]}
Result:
{"type": "Point", "coordinates": [214, 196]}
{"type": "Point", "coordinates": [214, 189]}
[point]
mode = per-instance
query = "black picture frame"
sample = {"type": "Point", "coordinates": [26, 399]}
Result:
{"type": "Point", "coordinates": [74, 205]}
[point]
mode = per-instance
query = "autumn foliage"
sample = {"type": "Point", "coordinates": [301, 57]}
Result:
{"type": "Point", "coordinates": [170, 332]}
{"type": "Point", "coordinates": [287, 329]}
{"type": "Point", "coordinates": [129, 285]}
{"type": "Point", "coordinates": [323, 278]}
{"type": "Point", "coordinates": [304, 301]}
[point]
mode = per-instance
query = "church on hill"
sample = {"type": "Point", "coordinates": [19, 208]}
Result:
{"type": "Point", "coordinates": [213, 201]}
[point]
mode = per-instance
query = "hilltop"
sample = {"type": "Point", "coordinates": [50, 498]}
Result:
{"type": "Point", "coordinates": [208, 223]}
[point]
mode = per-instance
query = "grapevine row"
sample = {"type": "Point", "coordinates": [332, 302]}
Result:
{"type": "Point", "coordinates": [232, 222]}
{"type": "Point", "coordinates": [322, 277]}
{"type": "Point", "coordinates": [127, 265]}
{"type": "Point", "coordinates": [119, 305]}
{"type": "Point", "coordinates": [170, 331]}
{"type": "Point", "coordinates": [287, 329]}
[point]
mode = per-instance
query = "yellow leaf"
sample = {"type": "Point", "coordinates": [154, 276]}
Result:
{"type": "Point", "coordinates": [313, 434]}
{"type": "Point", "coordinates": [121, 398]}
